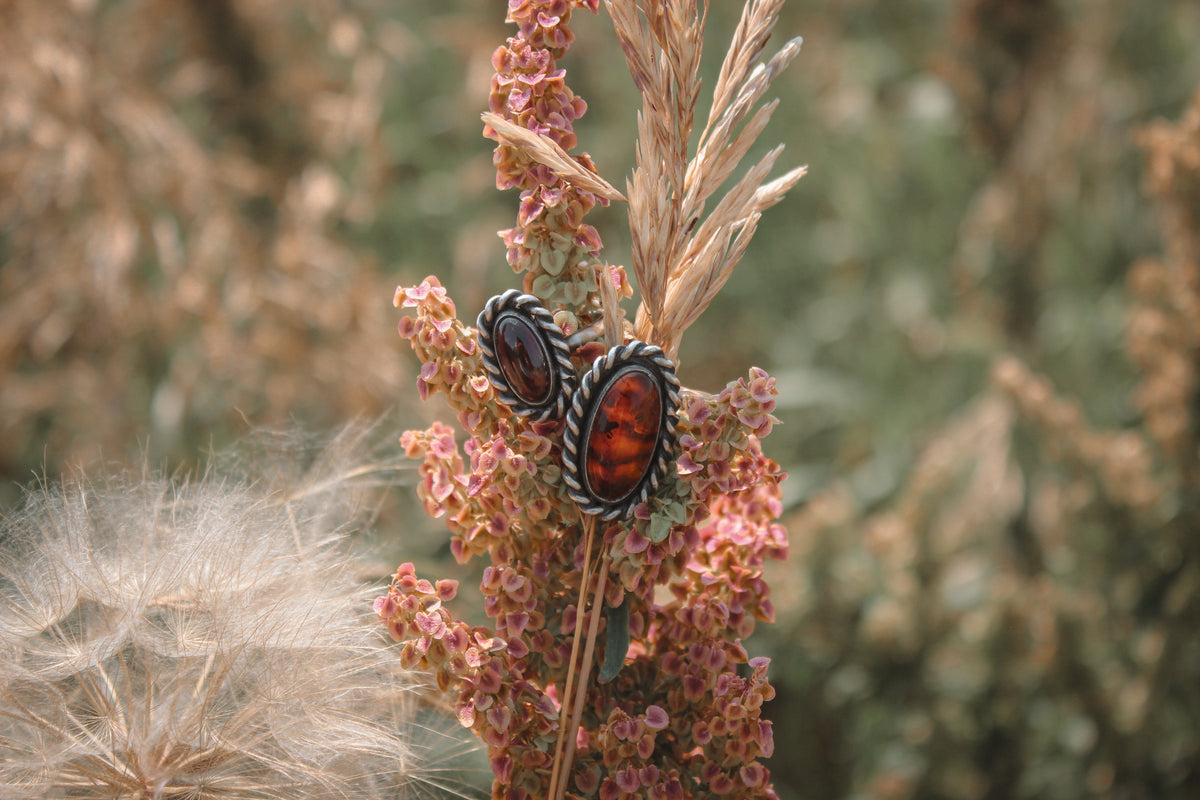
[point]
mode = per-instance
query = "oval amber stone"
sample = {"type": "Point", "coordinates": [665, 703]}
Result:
{"type": "Point", "coordinates": [621, 439]}
{"type": "Point", "coordinates": [523, 358]}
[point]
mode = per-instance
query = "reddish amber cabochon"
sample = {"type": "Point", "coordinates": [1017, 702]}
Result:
{"type": "Point", "coordinates": [622, 434]}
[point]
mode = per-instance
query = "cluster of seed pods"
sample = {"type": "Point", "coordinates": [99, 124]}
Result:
{"type": "Point", "coordinates": [703, 534]}
{"type": "Point", "coordinates": [580, 452]}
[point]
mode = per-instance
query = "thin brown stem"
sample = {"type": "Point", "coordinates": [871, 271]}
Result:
{"type": "Point", "coordinates": [589, 527]}
{"type": "Point", "coordinates": [581, 690]}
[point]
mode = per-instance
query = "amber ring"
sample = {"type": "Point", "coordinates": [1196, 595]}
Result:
{"type": "Point", "coordinates": [620, 430]}
{"type": "Point", "coordinates": [525, 355]}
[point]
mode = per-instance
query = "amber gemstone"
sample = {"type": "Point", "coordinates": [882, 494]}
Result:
{"type": "Point", "coordinates": [620, 442]}
{"type": "Point", "coordinates": [524, 360]}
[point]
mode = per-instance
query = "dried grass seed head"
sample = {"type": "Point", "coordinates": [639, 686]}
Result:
{"type": "Point", "coordinates": [680, 261]}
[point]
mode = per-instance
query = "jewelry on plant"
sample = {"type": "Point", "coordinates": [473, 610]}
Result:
{"type": "Point", "coordinates": [620, 434]}
{"type": "Point", "coordinates": [525, 355]}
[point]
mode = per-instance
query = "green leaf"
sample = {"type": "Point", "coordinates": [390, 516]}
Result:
{"type": "Point", "coordinates": [616, 641]}
{"type": "Point", "coordinates": [543, 286]}
{"type": "Point", "coordinates": [659, 527]}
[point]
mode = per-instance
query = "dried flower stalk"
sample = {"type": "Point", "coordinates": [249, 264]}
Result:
{"type": "Point", "coordinates": [173, 242]}
{"type": "Point", "coordinates": [675, 716]}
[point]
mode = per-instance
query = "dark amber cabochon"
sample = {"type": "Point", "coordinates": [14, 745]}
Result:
{"type": "Point", "coordinates": [524, 360]}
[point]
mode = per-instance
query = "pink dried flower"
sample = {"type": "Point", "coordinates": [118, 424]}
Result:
{"type": "Point", "coordinates": [672, 591]}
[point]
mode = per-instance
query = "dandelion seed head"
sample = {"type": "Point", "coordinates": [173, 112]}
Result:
{"type": "Point", "coordinates": [199, 639]}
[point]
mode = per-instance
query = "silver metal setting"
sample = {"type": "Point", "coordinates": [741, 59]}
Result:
{"type": "Point", "coordinates": [619, 360]}
{"type": "Point", "coordinates": [584, 335]}
{"type": "Point", "coordinates": [562, 373]}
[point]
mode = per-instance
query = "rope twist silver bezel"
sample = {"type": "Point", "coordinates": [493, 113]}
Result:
{"type": "Point", "coordinates": [562, 378]}
{"type": "Point", "coordinates": [604, 370]}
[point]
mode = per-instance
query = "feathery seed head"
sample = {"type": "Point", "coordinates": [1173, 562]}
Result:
{"type": "Point", "coordinates": [196, 640]}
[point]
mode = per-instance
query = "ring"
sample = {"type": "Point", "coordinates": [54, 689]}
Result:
{"type": "Point", "coordinates": [620, 432]}
{"type": "Point", "coordinates": [525, 355]}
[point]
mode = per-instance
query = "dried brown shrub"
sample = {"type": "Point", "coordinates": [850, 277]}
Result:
{"type": "Point", "coordinates": [175, 179]}
{"type": "Point", "coordinates": [1028, 76]}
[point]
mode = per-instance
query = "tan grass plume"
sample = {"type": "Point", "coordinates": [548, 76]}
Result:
{"type": "Point", "coordinates": [681, 256]}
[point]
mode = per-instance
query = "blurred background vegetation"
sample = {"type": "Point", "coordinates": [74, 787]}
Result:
{"type": "Point", "coordinates": [982, 305]}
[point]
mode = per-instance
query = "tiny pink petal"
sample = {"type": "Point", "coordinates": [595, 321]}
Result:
{"type": "Point", "coordinates": [656, 718]}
